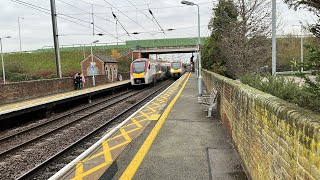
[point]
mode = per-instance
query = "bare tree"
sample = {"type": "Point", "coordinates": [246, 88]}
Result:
{"type": "Point", "coordinates": [246, 45]}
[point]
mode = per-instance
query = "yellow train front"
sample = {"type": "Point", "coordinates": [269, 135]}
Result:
{"type": "Point", "coordinates": [177, 69]}
{"type": "Point", "coordinates": [144, 71]}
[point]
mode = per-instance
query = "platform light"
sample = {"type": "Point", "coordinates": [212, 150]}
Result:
{"type": "Point", "coordinates": [199, 49]}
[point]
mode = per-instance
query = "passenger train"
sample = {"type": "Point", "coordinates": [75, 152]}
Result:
{"type": "Point", "coordinates": [177, 69]}
{"type": "Point", "coordinates": [146, 71]}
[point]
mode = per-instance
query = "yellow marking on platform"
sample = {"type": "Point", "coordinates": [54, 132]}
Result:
{"type": "Point", "coordinates": [92, 157]}
{"type": "Point", "coordinates": [137, 160]}
{"type": "Point", "coordinates": [125, 135]}
{"type": "Point", "coordinates": [151, 109]}
{"type": "Point", "coordinates": [154, 117]}
{"type": "Point", "coordinates": [144, 114]}
{"type": "Point", "coordinates": [91, 171]}
{"type": "Point", "coordinates": [136, 123]}
{"type": "Point", "coordinates": [107, 152]}
{"type": "Point", "coordinates": [79, 170]}
{"type": "Point", "coordinates": [119, 145]}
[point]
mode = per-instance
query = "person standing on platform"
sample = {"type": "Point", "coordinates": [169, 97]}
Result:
{"type": "Point", "coordinates": [77, 81]}
{"type": "Point", "coordinates": [83, 79]}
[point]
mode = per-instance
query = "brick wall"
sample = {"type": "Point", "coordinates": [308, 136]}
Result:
{"type": "Point", "coordinates": [13, 92]}
{"type": "Point", "coordinates": [275, 139]}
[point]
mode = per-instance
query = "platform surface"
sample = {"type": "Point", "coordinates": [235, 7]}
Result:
{"type": "Point", "coordinates": [12, 107]}
{"type": "Point", "coordinates": [188, 146]}
{"type": "Point", "coordinates": [180, 142]}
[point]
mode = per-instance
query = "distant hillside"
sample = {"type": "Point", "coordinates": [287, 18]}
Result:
{"type": "Point", "coordinates": [41, 64]}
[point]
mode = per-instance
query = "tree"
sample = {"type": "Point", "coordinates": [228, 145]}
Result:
{"type": "Point", "coordinates": [245, 42]}
{"type": "Point", "coordinates": [224, 14]}
{"type": "Point", "coordinates": [311, 5]}
{"type": "Point", "coordinates": [115, 54]}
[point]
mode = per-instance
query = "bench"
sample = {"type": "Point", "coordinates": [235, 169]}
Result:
{"type": "Point", "coordinates": [209, 101]}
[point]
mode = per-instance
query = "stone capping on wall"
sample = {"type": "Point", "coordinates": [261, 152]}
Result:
{"type": "Point", "coordinates": [275, 139]}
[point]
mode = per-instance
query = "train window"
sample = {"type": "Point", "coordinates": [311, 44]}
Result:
{"type": "Point", "coordinates": [149, 66]}
{"type": "Point", "coordinates": [138, 67]}
{"type": "Point", "coordinates": [176, 65]}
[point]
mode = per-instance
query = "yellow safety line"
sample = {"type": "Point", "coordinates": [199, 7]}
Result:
{"type": "Point", "coordinates": [137, 160]}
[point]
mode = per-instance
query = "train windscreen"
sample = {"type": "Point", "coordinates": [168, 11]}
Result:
{"type": "Point", "coordinates": [176, 65]}
{"type": "Point", "coordinates": [138, 67]}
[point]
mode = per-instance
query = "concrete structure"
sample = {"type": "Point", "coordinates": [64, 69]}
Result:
{"type": "Point", "coordinates": [145, 52]}
{"type": "Point", "coordinates": [101, 65]}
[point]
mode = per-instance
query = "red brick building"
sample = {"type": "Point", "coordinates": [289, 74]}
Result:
{"type": "Point", "coordinates": [100, 64]}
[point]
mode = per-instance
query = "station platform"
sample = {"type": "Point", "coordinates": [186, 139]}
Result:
{"type": "Point", "coordinates": [13, 109]}
{"type": "Point", "coordinates": [168, 138]}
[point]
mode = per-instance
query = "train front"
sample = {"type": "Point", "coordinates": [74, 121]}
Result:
{"type": "Point", "coordinates": [138, 72]}
{"type": "Point", "coordinates": [176, 69]}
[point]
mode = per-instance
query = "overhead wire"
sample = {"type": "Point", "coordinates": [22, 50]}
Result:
{"type": "Point", "coordinates": [117, 20]}
{"type": "Point", "coordinates": [47, 11]}
{"type": "Point", "coordinates": [128, 17]}
{"type": "Point", "coordinates": [156, 21]}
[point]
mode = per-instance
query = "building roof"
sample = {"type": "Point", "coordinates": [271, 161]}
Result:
{"type": "Point", "coordinates": [105, 58]}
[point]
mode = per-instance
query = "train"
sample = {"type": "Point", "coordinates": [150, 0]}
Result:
{"type": "Point", "coordinates": [177, 69]}
{"type": "Point", "coordinates": [146, 71]}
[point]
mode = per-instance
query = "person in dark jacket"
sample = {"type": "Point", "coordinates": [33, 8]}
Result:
{"type": "Point", "coordinates": [77, 81]}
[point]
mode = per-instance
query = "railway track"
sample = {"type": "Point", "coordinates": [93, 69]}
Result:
{"type": "Point", "coordinates": [77, 126]}
{"type": "Point", "coordinates": [12, 143]}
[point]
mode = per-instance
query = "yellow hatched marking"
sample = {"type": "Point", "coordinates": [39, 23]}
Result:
{"type": "Point", "coordinates": [151, 108]}
{"type": "Point", "coordinates": [119, 145]}
{"type": "Point", "coordinates": [144, 114]}
{"type": "Point", "coordinates": [154, 117]}
{"type": "Point", "coordinates": [91, 171]}
{"type": "Point", "coordinates": [107, 153]}
{"type": "Point", "coordinates": [125, 135]}
{"type": "Point", "coordinates": [136, 123]}
{"type": "Point", "coordinates": [92, 157]}
{"type": "Point", "coordinates": [79, 170]}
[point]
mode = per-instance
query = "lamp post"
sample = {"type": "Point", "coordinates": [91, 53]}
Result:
{"type": "Point", "coordinates": [92, 65]}
{"type": "Point", "coordinates": [199, 43]}
{"type": "Point", "coordinates": [19, 31]}
{"type": "Point", "coordinates": [274, 40]}
{"type": "Point", "coordinates": [3, 72]}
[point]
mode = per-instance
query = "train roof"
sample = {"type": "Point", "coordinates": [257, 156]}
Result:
{"type": "Point", "coordinates": [146, 59]}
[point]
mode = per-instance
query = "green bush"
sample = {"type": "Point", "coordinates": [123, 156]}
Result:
{"type": "Point", "coordinates": [306, 96]}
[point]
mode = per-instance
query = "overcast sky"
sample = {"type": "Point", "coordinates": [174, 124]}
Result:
{"type": "Point", "coordinates": [36, 27]}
